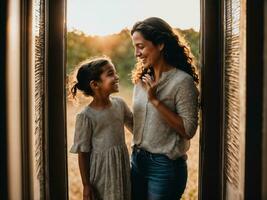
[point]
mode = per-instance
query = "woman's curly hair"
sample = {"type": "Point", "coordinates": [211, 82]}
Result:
{"type": "Point", "coordinates": [175, 52]}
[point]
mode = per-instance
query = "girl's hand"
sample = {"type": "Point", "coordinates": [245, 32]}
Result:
{"type": "Point", "coordinates": [151, 87]}
{"type": "Point", "coordinates": [87, 192]}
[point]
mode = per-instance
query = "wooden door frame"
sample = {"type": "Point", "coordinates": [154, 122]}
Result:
{"type": "Point", "coordinates": [264, 141]}
{"type": "Point", "coordinates": [55, 112]}
{"type": "Point", "coordinates": [3, 112]}
{"type": "Point", "coordinates": [56, 137]}
{"type": "Point", "coordinates": [211, 184]}
{"type": "Point", "coordinates": [210, 166]}
{"type": "Point", "coordinates": [210, 171]}
{"type": "Point", "coordinates": [254, 100]}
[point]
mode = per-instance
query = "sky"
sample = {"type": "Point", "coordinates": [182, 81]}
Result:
{"type": "Point", "coordinates": [104, 17]}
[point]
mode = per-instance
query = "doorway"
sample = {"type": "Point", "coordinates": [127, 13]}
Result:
{"type": "Point", "coordinates": [20, 118]}
{"type": "Point", "coordinates": [105, 37]}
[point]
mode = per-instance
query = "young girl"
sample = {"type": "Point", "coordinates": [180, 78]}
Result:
{"type": "Point", "coordinates": [99, 133]}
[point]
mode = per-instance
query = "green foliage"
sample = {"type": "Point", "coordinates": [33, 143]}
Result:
{"type": "Point", "coordinates": [117, 46]}
{"type": "Point", "coordinates": [192, 38]}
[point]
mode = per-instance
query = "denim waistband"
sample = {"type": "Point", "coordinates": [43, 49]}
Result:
{"type": "Point", "coordinates": [145, 152]}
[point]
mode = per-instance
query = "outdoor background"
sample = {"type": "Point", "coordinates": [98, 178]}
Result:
{"type": "Point", "coordinates": [119, 48]}
{"type": "Point", "coordinates": [92, 31]}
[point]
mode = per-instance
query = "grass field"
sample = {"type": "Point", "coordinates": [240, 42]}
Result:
{"type": "Point", "coordinates": [75, 184]}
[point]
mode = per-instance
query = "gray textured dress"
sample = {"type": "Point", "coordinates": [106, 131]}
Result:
{"type": "Point", "coordinates": [102, 134]}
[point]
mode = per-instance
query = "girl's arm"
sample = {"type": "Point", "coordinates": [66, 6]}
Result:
{"type": "Point", "coordinates": [83, 159]}
{"type": "Point", "coordinates": [128, 117]}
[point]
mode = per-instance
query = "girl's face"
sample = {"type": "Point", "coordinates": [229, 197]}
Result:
{"type": "Point", "coordinates": [145, 50]}
{"type": "Point", "coordinates": [109, 79]}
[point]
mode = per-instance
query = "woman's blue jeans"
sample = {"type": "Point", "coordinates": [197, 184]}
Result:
{"type": "Point", "coordinates": [156, 177]}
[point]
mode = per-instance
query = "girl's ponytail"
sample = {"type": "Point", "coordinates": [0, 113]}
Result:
{"type": "Point", "coordinates": [74, 89]}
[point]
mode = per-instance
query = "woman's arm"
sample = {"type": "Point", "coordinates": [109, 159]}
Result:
{"type": "Point", "coordinates": [173, 119]}
{"type": "Point", "coordinates": [83, 159]}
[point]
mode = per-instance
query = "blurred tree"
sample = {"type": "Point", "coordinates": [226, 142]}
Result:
{"type": "Point", "coordinates": [117, 46]}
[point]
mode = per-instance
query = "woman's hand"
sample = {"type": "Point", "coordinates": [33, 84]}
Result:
{"type": "Point", "coordinates": [87, 192]}
{"type": "Point", "coordinates": [151, 87]}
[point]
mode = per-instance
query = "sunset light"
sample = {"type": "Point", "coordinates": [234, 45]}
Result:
{"type": "Point", "coordinates": [101, 17]}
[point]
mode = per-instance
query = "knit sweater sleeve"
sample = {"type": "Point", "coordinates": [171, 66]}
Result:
{"type": "Point", "coordinates": [186, 102]}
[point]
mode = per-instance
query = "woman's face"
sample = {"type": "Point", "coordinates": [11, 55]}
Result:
{"type": "Point", "coordinates": [145, 50]}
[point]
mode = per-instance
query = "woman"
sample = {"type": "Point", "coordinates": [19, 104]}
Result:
{"type": "Point", "coordinates": [165, 109]}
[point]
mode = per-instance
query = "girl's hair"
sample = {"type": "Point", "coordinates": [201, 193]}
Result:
{"type": "Point", "coordinates": [174, 52]}
{"type": "Point", "coordinates": [89, 70]}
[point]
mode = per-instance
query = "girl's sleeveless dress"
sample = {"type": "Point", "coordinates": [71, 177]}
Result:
{"type": "Point", "coordinates": [101, 133]}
